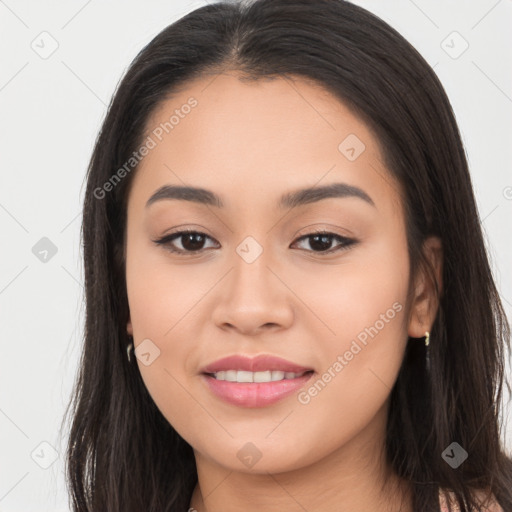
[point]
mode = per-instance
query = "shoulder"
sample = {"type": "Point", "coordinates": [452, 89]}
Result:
{"type": "Point", "coordinates": [486, 501]}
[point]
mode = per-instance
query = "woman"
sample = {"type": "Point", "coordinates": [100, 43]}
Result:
{"type": "Point", "coordinates": [289, 302]}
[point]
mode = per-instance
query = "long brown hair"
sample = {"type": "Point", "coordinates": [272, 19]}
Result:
{"type": "Point", "coordinates": [122, 453]}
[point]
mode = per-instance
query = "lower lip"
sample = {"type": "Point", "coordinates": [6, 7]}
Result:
{"type": "Point", "coordinates": [255, 394]}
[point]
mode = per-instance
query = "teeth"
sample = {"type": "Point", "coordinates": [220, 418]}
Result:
{"type": "Point", "coordinates": [245, 376]}
{"type": "Point", "coordinates": [276, 375]}
{"type": "Point", "coordinates": [262, 376]}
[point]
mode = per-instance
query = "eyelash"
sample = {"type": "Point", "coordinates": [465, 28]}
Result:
{"type": "Point", "coordinates": [167, 239]}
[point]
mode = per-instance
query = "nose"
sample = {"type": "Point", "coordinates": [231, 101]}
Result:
{"type": "Point", "coordinates": [254, 297]}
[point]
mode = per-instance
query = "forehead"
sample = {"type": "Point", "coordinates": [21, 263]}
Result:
{"type": "Point", "coordinates": [257, 135]}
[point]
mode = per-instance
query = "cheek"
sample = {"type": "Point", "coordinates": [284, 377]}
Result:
{"type": "Point", "coordinates": [159, 292]}
{"type": "Point", "coordinates": [154, 311]}
{"type": "Point", "coordinates": [362, 334]}
{"type": "Point", "coordinates": [164, 300]}
{"type": "Point", "coordinates": [349, 297]}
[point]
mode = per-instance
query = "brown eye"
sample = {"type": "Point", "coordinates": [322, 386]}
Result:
{"type": "Point", "coordinates": [322, 242]}
{"type": "Point", "coordinates": [190, 241]}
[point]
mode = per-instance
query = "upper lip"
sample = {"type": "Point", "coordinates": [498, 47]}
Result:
{"type": "Point", "coordinates": [254, 364]}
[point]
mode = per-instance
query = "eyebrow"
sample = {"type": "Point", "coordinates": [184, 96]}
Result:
{"type": "Point", "coordinates": [288, 200]}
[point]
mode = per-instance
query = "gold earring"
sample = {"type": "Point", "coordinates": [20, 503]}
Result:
{"type": "Point", "coordinates": [427, 338]}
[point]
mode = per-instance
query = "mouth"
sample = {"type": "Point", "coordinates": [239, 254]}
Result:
{"type": "Point", "coordinates": [255, 394]}
{"type": "Point", "coordinates": [259, 381]}
{"type": "Point", "coordinates": [244, 376]}
{"type": "Point", "coordinates": [259, 365]}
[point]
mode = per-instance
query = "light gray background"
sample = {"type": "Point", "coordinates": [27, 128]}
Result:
{"type": "Point", "coordinates": [51, 110]}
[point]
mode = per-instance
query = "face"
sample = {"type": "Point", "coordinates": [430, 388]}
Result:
{"type": "Point", "coordinates": [319, 279]}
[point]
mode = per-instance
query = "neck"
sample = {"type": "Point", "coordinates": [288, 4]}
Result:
{"type": "Point", "coordinates": [354, 477]}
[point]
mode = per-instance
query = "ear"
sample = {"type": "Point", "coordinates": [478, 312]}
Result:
{"type": "Point", "coordinates": [129, 327]}
{"type": "Point", "coordinates": [425, 302]}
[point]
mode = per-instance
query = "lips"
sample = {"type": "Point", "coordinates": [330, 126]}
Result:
{"type": "Point", "coordinates": [254, 364]}
{"type": "Point", "coordinates": [258, 381]}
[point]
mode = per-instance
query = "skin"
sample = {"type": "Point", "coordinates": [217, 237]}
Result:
{"type": "Point", "coordinates": [250, 143]}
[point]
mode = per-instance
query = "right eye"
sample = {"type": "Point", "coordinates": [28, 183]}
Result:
{"type": "Point", "coordinates": [191, 241]}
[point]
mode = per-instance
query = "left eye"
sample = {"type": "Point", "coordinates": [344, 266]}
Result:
{"type": "Point", "coordinates": [193, 241]}
{"type": "Point", "coordinates": [321, 239]}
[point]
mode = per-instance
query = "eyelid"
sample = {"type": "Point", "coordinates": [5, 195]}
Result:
{"type": "Point", "coordinates": [310, 229]}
